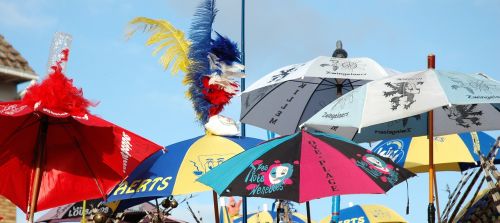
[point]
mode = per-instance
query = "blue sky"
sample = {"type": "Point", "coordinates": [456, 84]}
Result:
{"type": "Point", "coordinates": [135, 92]}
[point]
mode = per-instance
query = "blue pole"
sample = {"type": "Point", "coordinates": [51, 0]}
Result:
{"type": "Point", "coordinates": [335, 209]}
{"type": "Point", "coordinates": [243, 129]}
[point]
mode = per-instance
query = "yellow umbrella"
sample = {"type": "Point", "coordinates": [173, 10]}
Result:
{"type": "Point", "coordinates": [367, 213]}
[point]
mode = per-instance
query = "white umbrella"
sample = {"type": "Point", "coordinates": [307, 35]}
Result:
{"type": "Point", "coordinates": [396, 106]}
{"type": "Point", "coordinates": [286, 97]}
{"type": "Point", "coordinates": [427, 102]}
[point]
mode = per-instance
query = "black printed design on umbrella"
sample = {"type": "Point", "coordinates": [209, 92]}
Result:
{"type": "Point", "coordinates": [335, 64]}
{"type": "Point", "coordinates": [378, 168]}
{"type": "Point", "coordinates": [400, 90]}
{"type": "Point", "coordinates": [471, 85]}
{"type": "Point", "coordinates": [464, 115]}
{"type": "Point", "coordinates": [283, 73]}
{"type": "Point", "coordinates": [263, 178]}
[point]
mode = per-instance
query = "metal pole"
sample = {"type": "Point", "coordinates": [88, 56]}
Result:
{"type": "Point", "coordinates": [308, 210]}
{"type": "Point", "coordinates": [437, 198]}
{"type": "Point", "coordinates": [158, 210]}
{"type": "Point", "coordinates": [216, 207]}
{"type": "Point", "coordinates": [431, 210]}
{"type": "Point", "coordinates": [278, 210]}
{"type": "Point", "coordinates": [39, 158]}
{"type": "Point", "coordinates": [335, 209]}
{"type": "Point", "coordinates": [242, 84]}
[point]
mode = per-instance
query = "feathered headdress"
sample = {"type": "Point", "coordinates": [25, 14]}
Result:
{"type": "Point", "coordinates": [210, 64]}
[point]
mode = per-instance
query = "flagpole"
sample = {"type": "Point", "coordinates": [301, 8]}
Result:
{"type": "Point", "coordinates": [431, 64]}
{"type": "Point", "coordinates": [242, 84]}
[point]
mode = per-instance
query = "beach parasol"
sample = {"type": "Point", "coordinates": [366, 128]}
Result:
{"type": "Point", "coordinates": [368, 213]}
{"type": "Point", "coordinates": [175, 171]}
{"type": "Point", "coordinates": [50, 144]}
{"type": "Point", "coordinates": [305, 166]}
{"type": "Point", "coordinates": [451, 152]}
{"type": "Point", "coordinates": [281, 100]}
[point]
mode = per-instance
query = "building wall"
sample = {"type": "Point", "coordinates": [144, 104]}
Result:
{"type": "Point", "coordinates": [8, 91]}
{"type": "Point", "coordinates": [7, 211]}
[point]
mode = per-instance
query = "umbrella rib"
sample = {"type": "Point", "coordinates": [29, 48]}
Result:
{"type": "Point", "coordinates": [309, 82]}
{"type": "Point", "coordinates": [330, 82]}
{"type": "Point", "coordinates": [18, 129]}
{"type": "Point", "coordinates": [254, 105]}
{"type": "Point", "coordinates": [308, 100]}
{"type": "Point", "coordinates": [77, 144]}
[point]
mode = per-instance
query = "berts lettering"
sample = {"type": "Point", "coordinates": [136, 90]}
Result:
{"type": "Point", "coordinates": [143, 185]}
{"type": "Point", "coordinates": [353, 220]}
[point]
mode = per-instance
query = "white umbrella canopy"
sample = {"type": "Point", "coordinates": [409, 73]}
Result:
{"type": "Point", "coordinates": [396, 106]}
{"type": "Point", "coordinates": [288, 96]}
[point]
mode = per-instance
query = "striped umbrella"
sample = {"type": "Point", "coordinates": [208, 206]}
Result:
{"type": "Point", "coordinates": [174, 172]}
{"type": "Point", "coordinates": [451, 152]}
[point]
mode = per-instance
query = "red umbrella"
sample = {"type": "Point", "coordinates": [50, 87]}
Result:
{"type": "Point", "coordinates": [54, 152]}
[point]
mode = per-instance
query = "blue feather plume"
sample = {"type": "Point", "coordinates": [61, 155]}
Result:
{"type": "Point", "coordinates": [200, 36]}
{"type": "Point", "coordinates": [225, 49]}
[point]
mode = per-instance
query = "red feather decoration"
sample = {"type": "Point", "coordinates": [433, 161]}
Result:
{"type": "Point", "coordinates": [58, 93]}
{"type": "Point", "coordinates": [216, 95]}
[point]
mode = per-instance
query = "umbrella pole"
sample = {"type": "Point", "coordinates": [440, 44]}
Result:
{"type": "Point", "coordinates": [431, 210]}
{"type": "Point", "coordinates": [242, 86]}
{"type": "Point", "coordinates": [278, 208]}
{"type": "Point", "coordinates": [158, 210]}
{"type": "Point", "coordinates": [308, 210]}
{"type": "Point", "coordinates": [216, 207]}
{"type": "Point", "coordinates": [437, 198]}
{"type": "Point", "coordinates": [39, 157]}
{"type": "Point", "coordinates": [335, 209]}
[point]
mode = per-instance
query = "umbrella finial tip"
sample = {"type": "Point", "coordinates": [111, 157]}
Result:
{"type": "Point", "coordinates": [339, 44]}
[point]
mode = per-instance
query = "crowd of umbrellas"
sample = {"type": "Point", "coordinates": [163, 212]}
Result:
{"type": "Point", "coordinates": [429, 121]}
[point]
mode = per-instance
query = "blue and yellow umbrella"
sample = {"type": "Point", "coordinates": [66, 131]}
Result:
{"type": "Point", "coordinates": [367, 213]}
{"type": "Point", "coordinates": [175, 172]}
{"type": "Point", "coordinates": [451, 152]}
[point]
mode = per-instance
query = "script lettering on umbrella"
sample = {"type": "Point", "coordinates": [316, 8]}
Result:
{"type": "Point", "coordinates": [59, 114]}
{"type": "Point", "coordinates": [11, 109]}
{"type": "Point", "coordinates": [125, 149]}
{"type": "Point", "coordinates": [354, 220]}
{"type": "Point", "coordinates": [353, 66]}
{"type": "Point", "coordinates": [287, 101]}
{"type": "Point", "coordinates": [83, 117]}
{"type": "Point", "coordinates": [392, 127]}
{"type": "Point", "coordinates": [266, 179]}
{"type": "Point", "coordinates": [321, 159]}
{"type": "Point", "coordinates": [143, 185]}
{"type": "Point", "coordinates": [78, 211]}
{"type": "Point", "coordinates": [393, 132]}
{"type": "Point", "coordinates": [340, 104]}
{"type": "Point", "coordinates": [473, 86]}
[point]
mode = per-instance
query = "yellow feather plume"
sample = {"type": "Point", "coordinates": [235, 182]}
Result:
{"type": "Point", "coordinates": [168, 39]}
